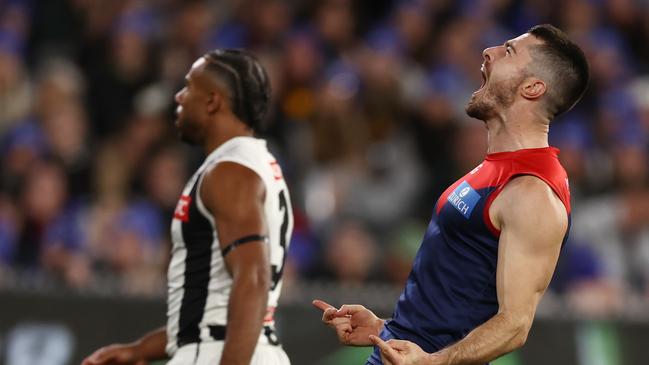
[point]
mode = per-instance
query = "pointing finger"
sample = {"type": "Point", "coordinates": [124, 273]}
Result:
{"type": "Point", "coordinates": [322, 305]}
{"type": "Point", "coordinates": [386, 351]}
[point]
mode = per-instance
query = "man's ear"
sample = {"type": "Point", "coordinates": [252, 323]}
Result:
{"type": "Point", "coordinates": [214, 102]}
{"type": "Point", "coordinates": [533, 88]}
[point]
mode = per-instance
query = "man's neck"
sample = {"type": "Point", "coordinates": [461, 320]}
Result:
{"type": "Point", "coordinates": [224, 131]}
{"type": "Point", "coordinates": [512, 130]}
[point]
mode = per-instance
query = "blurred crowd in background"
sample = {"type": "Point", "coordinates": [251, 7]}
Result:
{"type": "Point", "coordinates": [367, 122]}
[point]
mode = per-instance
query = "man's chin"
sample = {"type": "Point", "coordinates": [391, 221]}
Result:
{"type": "Point", "coordinates": [475, 110]}
{"type": "Point", "coordinates": [185, 138]}
{"type": "Point", "coordinates": [183, 135]}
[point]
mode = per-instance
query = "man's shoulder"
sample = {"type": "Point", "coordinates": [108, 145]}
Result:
{"type": "Point", "coordinates": [530, 198]}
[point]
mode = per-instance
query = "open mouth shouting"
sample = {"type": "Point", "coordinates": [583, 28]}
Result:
{"type": "Point", "coordinates": [483, 72]}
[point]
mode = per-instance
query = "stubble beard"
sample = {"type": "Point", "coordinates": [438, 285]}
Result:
{"type": "Point", "coordinates": [480, 108]}
{"type": "Point", "coordinates": [493, 98]}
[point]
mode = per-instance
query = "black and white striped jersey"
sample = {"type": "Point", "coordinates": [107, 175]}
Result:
{"type": "Point", "coordinates": [198, 282]}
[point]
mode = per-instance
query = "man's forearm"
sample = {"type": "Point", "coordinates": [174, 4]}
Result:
{"type": "Point", "coordinates": [496, 337]}
{"type": "Point", "coordinates": [246, 310]}
{"type": "Point", "coordinates": [152, 345]}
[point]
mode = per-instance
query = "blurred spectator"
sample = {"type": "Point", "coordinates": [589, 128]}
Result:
{"type": "Point", "coordinates": [164, 178]}
{"type": "Point", "coordinates": [9, 226]}
{"type": "Point", "coordinates": [351, 255]}
{"type": "Point", "coordinates": [336, 25]}
{"type": "Point", "coordinates": [269, 21]}
{"type": "Point", "coordinates": [124, 233]}
{"type": "Point", "coordinates": [616, 226]}
{"type": "Point", "coordinates": [304, 253]}
{"type": "Point", "coordinates": [580, 277]}
{"type": "Point", "coordinates": [22, 147]}
{"type": "Point", "coordinates": [59, 82]}
{"type": "Point", "coordinates": [66, 131]}
{"type": "Point", "coordinates": [65, 250]}
{"type": "Point", "coordinates": [572, 137]}
{"type": "Point", "coordinates": [401, 251]}
{"type": "Point", "coordinates": [43, 199]}
{"type": "Point", "coordinates": [15, 87]}
{"type": "Point", "coordinates": [121, 70]}
{"type": "Point", "coordinates": [302, 62]}
{"type": "Point", "coordinates": [411, 21]}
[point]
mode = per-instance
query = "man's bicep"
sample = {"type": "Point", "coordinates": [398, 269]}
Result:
{"type": "Point", "coordinates": [235, 195]}
{"type": "Point", "coordinates": [533, 223]}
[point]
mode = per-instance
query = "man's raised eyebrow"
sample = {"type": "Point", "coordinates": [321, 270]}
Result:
{"type": "Point", "coordinates": [510, 44]}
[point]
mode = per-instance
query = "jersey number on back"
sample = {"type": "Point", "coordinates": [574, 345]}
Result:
{"type": "Point", "coordinates": [277, 271]}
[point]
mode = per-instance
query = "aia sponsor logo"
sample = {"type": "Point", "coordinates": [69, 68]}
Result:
{"type": "Point", "coordinates": [182, 208]}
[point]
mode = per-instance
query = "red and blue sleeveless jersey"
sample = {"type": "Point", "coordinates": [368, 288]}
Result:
{"type": "Point", "coordinates": [452, 286]}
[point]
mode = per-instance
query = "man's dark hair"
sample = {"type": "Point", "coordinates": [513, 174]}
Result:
{"type": "Point", "coordinates": [247, 82]}
{"type": "Point", "coordinates": [564, 65]}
